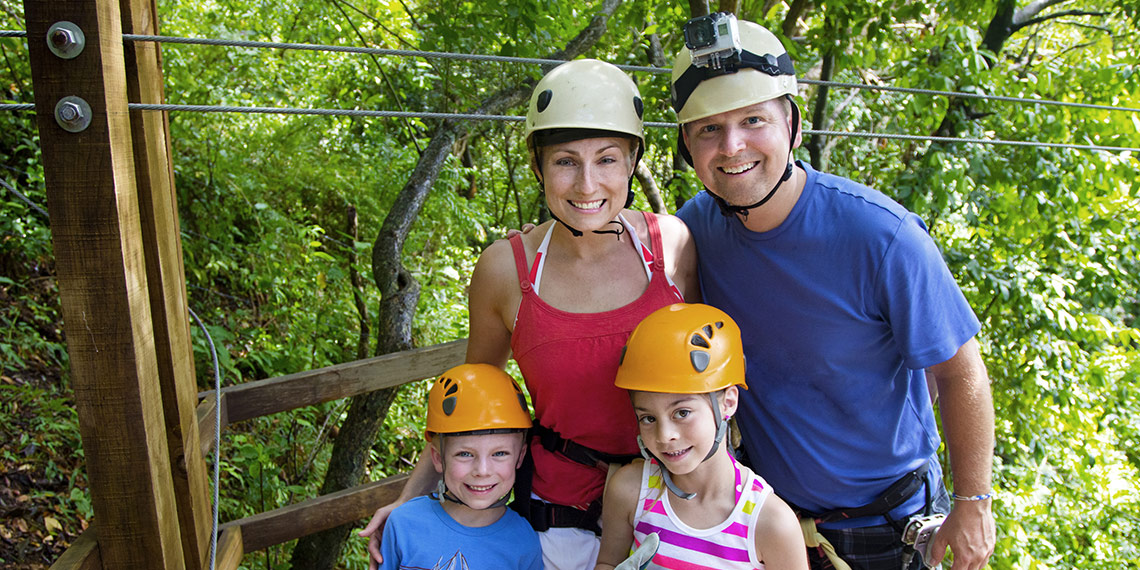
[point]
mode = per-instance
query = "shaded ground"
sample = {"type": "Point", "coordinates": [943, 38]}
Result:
{"type": "Point", "coordinates": [44, 504]}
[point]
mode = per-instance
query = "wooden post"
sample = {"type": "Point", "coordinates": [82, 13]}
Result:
{"type": "Point", "coordinates": [97, 237]}
{"type": "Point", "coordinates": [166, 279]}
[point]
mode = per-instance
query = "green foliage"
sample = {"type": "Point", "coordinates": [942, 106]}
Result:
{"type": "Point", "coordinates": [1044, 241]}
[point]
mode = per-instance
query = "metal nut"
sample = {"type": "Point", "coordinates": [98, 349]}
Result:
{"type": "Point", "coordinates": [70, 112]}
{"type": "Point", "coordinates": [73, 114]}
{"type": "Point", "coordinates": [62, 38]}
{"type": "Point", "coordinates": [65, 40]}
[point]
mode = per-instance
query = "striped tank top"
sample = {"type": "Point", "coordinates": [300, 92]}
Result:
{"type": "Point", "coordinates": [729, 545]}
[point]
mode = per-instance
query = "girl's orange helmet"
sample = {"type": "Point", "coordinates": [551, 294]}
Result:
{"type": "Point", "coordinates": [683, 349]}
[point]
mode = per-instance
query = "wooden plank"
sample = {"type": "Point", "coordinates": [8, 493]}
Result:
{"type": "Point", "coordinates": [264, 397]}
{"type": "Point", "coordinates": [162, 248]}
{"type": "Point", "coordinates": [93, 204]}
{"type": "Point", "coordinates": [314, 515]}
{"type": "Point", "coordinates": [83, 554]}
{"type": "Point", "coordinates": [205, 413]}
{"type": "Point", "coordinates": [230, 549]}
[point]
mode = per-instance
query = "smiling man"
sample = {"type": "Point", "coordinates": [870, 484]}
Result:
{"type": "Point", "coordinates": [846, 308]}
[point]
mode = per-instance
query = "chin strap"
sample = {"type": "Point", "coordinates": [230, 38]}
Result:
{"type": "Point", "coordinates": [442, 495]}
{"type": "Point", "coordinates": [721, 430]}
{"type": "Point", "coordinates": [729, 210]}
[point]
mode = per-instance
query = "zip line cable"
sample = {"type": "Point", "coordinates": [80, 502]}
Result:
{"type": "Point", "coordinates": [512, 118]}
{"type": "Point", "coordinates": [522, 60]}
{"type": "Point", "coordinates": [542, 61]}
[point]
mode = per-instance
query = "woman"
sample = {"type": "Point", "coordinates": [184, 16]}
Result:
{"type": "Point", "coordinates": [564, 298]}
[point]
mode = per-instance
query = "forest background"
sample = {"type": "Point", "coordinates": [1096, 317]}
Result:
{"type": "Point", "coordinates": [282, 221]}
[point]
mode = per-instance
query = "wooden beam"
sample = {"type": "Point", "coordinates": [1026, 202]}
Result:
{"type": "Point", "coordinates": [314, 515]}
{"type": "Point", "coordinates": [96, 235]}
{"type": "Point", "coordinates": [205, 413]}
{"type": "Point", "coordinates": [264, 397]}
{"type": "Point", "coordinates": [83, 554]}
{"type": "Point", "coordinates": [166, 279]}
{"type": "Point", "coordinates": [230, 549]}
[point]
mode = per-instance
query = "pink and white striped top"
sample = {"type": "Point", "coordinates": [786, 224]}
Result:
{"type": "Point", "coordinates": [729, 545]}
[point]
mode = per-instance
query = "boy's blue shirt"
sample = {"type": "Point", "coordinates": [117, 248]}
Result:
{"type": "Point", "coordinates": [419, 534]}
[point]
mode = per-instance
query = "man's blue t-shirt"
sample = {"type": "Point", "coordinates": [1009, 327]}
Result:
{"type": "Point", "coordinates": [420, 535]}
{"type": "Point", "coordinates": [841, 307]}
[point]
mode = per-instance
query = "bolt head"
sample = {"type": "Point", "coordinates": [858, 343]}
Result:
{"type": "Point", "coordinates": [62, 38]}
{"type": "Point", "coordinates": [70, 112]}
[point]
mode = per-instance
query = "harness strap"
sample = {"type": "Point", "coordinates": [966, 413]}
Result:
{"type": "Point", "coordinates": [544, 516]}
{"type": "Point", "coordinates": [895, 495]}
{"type": "Point", "coordinates": [554, 442]}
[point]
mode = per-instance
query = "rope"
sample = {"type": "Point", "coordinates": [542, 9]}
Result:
{"type": "Point", "coordinates": [17, 106]}
{"type": "Point", "coordinates": [30, 203]}
{"type": "Point", "coordinates": [541, 61]}
{"type": "Point", "coordinates": [932, 138]}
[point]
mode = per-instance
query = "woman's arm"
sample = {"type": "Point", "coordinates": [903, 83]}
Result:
{"type": "Point", "coordinates": [492, 301]}
{"type": "Point", "coordinates": [617, 515]}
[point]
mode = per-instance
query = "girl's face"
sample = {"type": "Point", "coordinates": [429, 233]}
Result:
{"type": "Point", "coordinates": [478, 469]}
{"type": "Point", "coordinates": [586, 181]}
{"type": "Point", "coordinates": [679, 429]}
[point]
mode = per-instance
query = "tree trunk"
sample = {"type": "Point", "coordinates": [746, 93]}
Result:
{"type": "Point", "coordinates": [399, 295]}
{"type": "Point", "coordinates": [649, 187]}
{"type": "Point", "coordinates": [817, 144]}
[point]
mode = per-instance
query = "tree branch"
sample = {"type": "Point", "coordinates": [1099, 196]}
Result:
{"type": "Point", "coordinates": [1017, 26]}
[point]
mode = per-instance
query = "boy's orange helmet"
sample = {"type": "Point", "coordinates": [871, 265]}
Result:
{"type": "Point", "coordinates": [475, 397]}
{"type": "Point", "coordinates": [683, 349]}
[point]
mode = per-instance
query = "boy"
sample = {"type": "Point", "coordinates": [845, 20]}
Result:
{"type": "Point", "coordinates": [476, 426]}
{"type": "Point", "coordinates": [682, 365]}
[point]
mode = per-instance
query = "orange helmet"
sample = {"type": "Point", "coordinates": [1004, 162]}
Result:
{"type": "Point", "coordinates": [683, 349]}
{"type": "Point", "coordinates": [475, 397]}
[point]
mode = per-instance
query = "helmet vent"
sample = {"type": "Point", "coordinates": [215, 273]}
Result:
{"type": "Point", "coordinates": [698, 340]}
{"type": "Point", "coordinates": [708, 330]}
{"type": "Point", "coordinates": [638, 107]}
{"type": "Point", "coordinates": [720, 324]}
{"type": "Point", "coordinates": [699, 359]}
{"type": "Point", "coordinates": [544, 100]}
{"type": "Point", "coordinates": [448, 405]}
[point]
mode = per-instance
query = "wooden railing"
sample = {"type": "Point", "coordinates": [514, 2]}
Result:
{"type": "Point", "coordinates": [274, 395]}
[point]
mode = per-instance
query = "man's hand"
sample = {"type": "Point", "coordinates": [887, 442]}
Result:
{"type": "Point", "coordinates": [969, 532]}
{"type": "Point", "coordinates": [525, 230]}
{"type": "Point", "coordinates": [373, 532]}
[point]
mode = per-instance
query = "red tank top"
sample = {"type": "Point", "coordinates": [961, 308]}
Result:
{"type": "Point", "coordinates": [569, 362]}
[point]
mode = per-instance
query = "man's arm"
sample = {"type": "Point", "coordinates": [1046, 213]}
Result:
{"type": "Point", "coordinates": [968, 426]}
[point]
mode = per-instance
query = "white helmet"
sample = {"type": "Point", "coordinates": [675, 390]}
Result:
{"type": "Point", "coordinates": [585, 94]}
{"type": "Point", "coordinates": [765, 72]}
{"type": "Point", "coordinates": [582, 99]}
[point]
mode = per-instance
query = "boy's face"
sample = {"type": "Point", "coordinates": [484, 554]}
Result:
{"type": "Point", "coordinates": [478, 469]}
{"type": "Point", "coordinates": [679, 429]}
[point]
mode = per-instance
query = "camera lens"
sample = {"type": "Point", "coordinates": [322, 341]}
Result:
{"type": "Point", "coordinates": [699, 33]}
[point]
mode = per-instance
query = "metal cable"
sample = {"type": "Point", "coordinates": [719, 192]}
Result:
{"type": "Point", "coordinates": [217, 436]}
{"type": "Point", "coordinates": [540, 61]}
{"type": "Point", "coordinates": [512, 118]}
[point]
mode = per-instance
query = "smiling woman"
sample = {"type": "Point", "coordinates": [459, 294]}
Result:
{"type": "Point", "coordinates": [565, 297]}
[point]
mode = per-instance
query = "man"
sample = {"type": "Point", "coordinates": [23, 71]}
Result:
{"type": "Point", "coordinates": [847, 311]}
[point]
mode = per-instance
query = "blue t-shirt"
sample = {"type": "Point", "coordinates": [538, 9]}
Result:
{"type": "Point", "coordinates": [420, 535]}
{"type": "Point", "coordinates": [841, 307]}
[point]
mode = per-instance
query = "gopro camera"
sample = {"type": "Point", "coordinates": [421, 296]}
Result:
{"type": "Point", "coordinates": [713, 40]}
{"type": "Point", "coordinates": [919, 533]}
